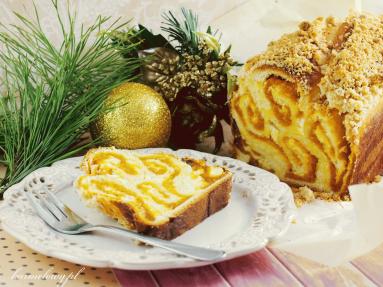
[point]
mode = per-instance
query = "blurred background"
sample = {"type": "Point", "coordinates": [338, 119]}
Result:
{"type": "Point", "coordinates": [246, 24]}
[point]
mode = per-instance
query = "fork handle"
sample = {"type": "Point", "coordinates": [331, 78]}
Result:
{"type": "Point", "coordinates": [200, 253]}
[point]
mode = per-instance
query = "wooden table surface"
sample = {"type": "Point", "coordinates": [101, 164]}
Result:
{"type": "Point", "coordinates": [268, 267]}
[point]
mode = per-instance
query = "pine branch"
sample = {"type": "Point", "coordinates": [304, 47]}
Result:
{"type": "Point", "coordinates": [183, 32]}
{"type": "Point", "coordinates": [54, 93]}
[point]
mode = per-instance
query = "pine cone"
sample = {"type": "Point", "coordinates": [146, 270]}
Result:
{"type": "Point", "coordinates": [161, 65]}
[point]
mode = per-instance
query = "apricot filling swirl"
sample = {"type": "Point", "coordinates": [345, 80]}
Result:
{"type": "Point", "coordinates": [303, 143]}
{"type": "Point", "coordinates": [152, 186]}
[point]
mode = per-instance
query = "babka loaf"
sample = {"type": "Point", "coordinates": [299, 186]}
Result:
{"type": "Point", "coordinates": [155, 194]}
{"type": "Point", "coordinates": [310, 108]}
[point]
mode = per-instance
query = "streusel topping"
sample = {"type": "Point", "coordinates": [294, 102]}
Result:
{"type": "Point", "coordinates": [347, 56]}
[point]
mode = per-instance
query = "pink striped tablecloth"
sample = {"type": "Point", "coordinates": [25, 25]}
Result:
{"type": "Point", "coordinates": [268, 267]}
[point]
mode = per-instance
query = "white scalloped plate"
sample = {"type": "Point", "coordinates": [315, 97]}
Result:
{"type": "Point", "coordinates": [261, 208]}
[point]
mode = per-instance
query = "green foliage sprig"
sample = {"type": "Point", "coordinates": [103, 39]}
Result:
{"type": "Point", "coordinates": [182, 32]}
{"type": "Point", "coordinates": [54, 92]}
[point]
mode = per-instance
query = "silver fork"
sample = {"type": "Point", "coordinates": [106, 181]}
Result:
{"type": "Point", "coordinates": [62, 219]}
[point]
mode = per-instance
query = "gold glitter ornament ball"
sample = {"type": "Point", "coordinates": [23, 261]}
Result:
{"type": "Point", "coordinates": [139, 118]}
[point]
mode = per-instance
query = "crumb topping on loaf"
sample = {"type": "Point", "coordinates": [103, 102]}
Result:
{"type": "Point", "coordinates": [344, 59]}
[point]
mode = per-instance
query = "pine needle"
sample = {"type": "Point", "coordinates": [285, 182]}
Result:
{"type": "Point", "coordinates": [54, 93]}
{"type": "Point", "coordinates": [183, 32]}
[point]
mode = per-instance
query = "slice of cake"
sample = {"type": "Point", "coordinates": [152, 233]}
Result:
{"type": "Point", "coordinates": [155, 194]}
{"type": "Point", "coordinates": [310, 108]}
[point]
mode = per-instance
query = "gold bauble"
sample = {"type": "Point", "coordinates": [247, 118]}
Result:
{"type": "Point", "coordinates": [139, 118]}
